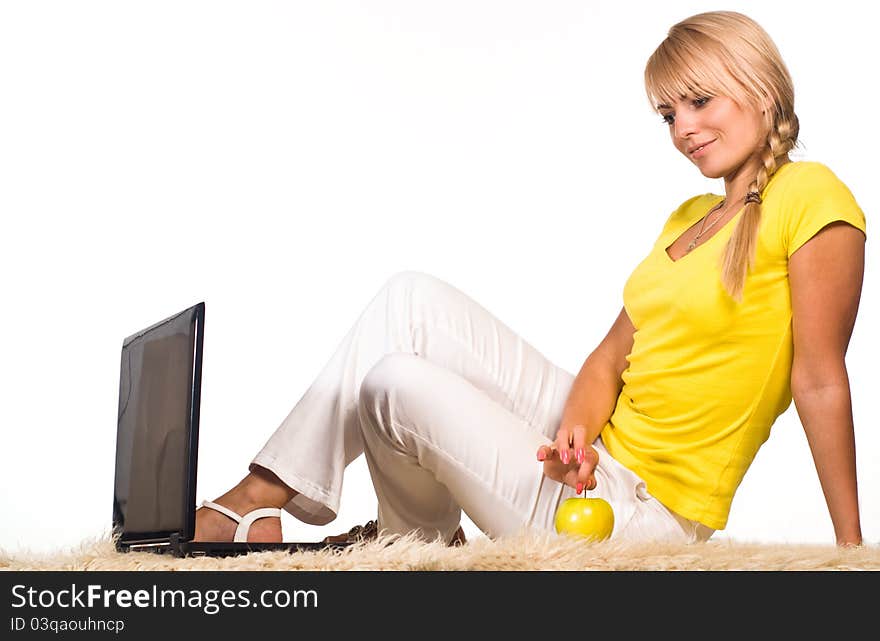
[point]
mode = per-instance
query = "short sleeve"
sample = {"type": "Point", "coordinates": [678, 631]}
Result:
{"type": "Point", "coordinates": [814, 198]}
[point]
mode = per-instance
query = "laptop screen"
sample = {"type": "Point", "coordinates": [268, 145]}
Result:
{"type": "Point", "coordinates": [157, 429]}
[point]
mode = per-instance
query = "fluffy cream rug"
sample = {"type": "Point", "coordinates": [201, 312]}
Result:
{"type": "Point", "coordinates": [525, 552]}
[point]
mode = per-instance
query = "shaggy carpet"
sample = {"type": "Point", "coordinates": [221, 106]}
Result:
{"type": "Point", "coordinates": [518, 553]}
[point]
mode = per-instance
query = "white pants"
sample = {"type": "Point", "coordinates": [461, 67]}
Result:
{"type": "Point", "coordinates": [449, 407]}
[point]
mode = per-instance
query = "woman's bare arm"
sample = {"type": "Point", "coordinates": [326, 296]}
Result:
{"type": "Point", "coordinates": [590, 403]}
{"type": "Point", "coordinates": [826, 276]}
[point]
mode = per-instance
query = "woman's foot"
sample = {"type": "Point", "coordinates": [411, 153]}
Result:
{"type": "Point", "coordinates": [261, 488]}
{"type": "Point", "coordinates": [211, 525]}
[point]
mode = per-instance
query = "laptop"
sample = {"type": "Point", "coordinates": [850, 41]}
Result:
{"type": "Point", "coordinates": [157, 443]}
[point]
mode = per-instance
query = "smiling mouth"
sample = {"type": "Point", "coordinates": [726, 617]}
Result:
{"type": "Point", "coordinates": [701, 147]}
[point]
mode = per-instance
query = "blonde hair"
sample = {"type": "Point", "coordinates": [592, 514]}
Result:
{"type": "Point", "coordinates": [727, 53]}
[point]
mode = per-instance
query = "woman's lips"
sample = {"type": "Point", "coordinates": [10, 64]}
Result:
{"type": "Point", "coordinates": [702, 150]}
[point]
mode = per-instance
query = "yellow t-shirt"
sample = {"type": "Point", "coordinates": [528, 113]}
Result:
{"type": "Point", "coordinates": [708, 377]}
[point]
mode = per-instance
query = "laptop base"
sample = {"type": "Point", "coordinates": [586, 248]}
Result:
{"type": "Point", "coordinates": [175, 547]}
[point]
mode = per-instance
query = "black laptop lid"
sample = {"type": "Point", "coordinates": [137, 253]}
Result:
{"type": "Point", "coordinates": [157, 429]}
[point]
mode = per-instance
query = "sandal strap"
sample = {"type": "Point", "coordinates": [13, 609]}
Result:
{"type": "Point", "coordinates": [248, 519]}
{"type": "Point", "coordinates": [223, 510]}
{"type": "Point", "coordinates": [367, 531]}
{"type": "Point", "coordinates": [370, 530]}
{"type": "Point", "coordinates": [244, 522]}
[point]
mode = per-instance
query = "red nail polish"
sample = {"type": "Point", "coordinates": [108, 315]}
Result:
{"type": "Point", "coordinates": [580, 488]}
{"type": "Point", "coordinates": [580, 455]}
{"type": "Point", "coordinates": [541, 455]}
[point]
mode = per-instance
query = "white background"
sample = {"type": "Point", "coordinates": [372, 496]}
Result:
{"type": "Point", "coordinates": [280, 160]}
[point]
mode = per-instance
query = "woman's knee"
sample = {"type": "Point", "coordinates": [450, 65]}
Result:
{"type": "Point", "coordinates": [385, 392]}
{"type": "Point", "coordinates": [408, 281]}
{"type": "Point", "coordinates": [393, 376]}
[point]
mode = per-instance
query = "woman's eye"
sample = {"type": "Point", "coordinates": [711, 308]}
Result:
{"type": "Point", "coordinates": [668, 119]}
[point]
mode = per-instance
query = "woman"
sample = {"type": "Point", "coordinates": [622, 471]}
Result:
{"type": "Point", "coordinates": [746, 301]}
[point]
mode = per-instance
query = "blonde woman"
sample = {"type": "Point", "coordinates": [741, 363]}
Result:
{"type": "Point", "coordinates": [746, 301]}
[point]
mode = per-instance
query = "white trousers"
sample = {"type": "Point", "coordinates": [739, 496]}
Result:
{"type": "Point", "coordinates": [449, 407]}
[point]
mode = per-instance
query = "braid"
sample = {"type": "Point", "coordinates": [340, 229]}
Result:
{"type": "Point", "coordinates": [739, 254]}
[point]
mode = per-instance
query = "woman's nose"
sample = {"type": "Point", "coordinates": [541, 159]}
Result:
{"type": "Point", "coordinates": [685, 125]}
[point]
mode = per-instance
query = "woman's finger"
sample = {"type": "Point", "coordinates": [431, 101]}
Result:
{"type": "Point", "coordinates": [579, 442]}
{"type": "Point", "coordinates": [570, 478]}
{"type": "Point", "coordinates": [586, 480]}
{"type": "Point", "coordinates": [563, 445]}
{"type": "Point", "coordinates": [555, 469]}
{"type": "Point", "coordinates": [586, 470]}
{"type": "Point", "coordinates": [546, 452]}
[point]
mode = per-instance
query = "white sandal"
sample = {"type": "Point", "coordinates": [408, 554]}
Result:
{"type": "Point", "coordinates": [244, 522]}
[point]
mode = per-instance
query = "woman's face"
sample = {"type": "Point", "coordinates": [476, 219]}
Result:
{"type": "Point", "coordinates": [731, 136]}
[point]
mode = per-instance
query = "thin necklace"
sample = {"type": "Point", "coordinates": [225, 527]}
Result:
{"type": "Point", "coordinates": [703, 228]}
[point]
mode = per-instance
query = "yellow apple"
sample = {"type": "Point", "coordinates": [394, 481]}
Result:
{"type": "Point", "coordinates": [591, 518]}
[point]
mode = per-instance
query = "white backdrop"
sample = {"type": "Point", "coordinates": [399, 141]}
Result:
{"type": "Point", "coordinates": [280, 160]}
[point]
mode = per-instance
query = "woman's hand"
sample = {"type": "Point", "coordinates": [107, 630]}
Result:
{"type": "Point", "coordinates": [570, 460]}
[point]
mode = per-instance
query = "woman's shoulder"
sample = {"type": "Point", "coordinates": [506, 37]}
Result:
{"type": "Point", "coordinates": [806, 196]}
{"type": "Point", "coordinates": [805, 176]}
{"type": "Point", "coordinates": [692, 208]}
{"type": "Point", "coordinates": [807, 185]}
